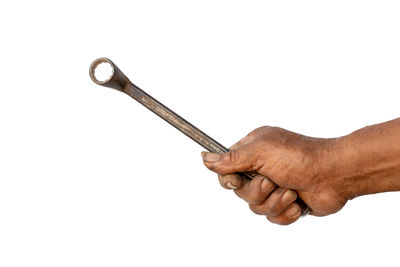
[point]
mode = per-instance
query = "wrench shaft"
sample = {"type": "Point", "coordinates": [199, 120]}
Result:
{"type": "Point", "coordinates": [174, 119]}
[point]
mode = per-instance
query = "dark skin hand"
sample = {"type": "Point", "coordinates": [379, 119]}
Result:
{"type": "Point", "coordinates": [324, 173]}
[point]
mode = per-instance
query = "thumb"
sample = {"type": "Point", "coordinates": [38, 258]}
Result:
{"type": "Point", "coordinates": [241, 159]}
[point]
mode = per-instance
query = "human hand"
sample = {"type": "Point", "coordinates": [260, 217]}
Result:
{"type": "Point", "coordinates": [296, 166]}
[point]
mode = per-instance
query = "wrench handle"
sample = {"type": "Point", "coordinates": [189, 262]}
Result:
{"type": "Point", "coordinates": [121, 83]}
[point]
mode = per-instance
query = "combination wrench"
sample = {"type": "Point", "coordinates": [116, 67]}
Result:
{"type": "Point", "coordinates": [120, 82]}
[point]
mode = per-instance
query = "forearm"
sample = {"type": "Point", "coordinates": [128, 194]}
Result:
{"type": "Point", "coordinates": [367, 161]}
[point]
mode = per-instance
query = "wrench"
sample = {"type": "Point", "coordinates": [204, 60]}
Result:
{"type": "Point", "coordinates": [120, 82]}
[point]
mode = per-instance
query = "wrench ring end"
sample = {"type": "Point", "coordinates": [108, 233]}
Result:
{"type": "Point", "coordinates": [117, 79]}
{"type": "Point", "coordinates": [95, 64]}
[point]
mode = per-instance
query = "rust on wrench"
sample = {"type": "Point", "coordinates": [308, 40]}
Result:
{"type": "Point", "coordinates": [120, 82]}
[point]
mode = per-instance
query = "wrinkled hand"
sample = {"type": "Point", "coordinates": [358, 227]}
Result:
{"type": "Point", "coordinates": [296, 166]}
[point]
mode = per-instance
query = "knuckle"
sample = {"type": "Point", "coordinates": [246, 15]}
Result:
{"type": "Point", "coordinates": [233, 156]}
{"type": "Point", "coordinates": [254, 197]}
{"type": "Point", "coordinates": [254, 133]}
{"type": "Point", "coordinates": [272, 209]}
{"type": "Point", "coordinates": [275, 129]}
{"type": "Point", "coordinates": [279, 221]}
{"type": "Point", "coordinates": [285, 222]}
{"type": "Point", "coordinates": [256, 163]}
{"type": "Point", "coordinates": [271, 219]}
{"type": "Point", "coordinates": [267, 129]}
{"type": "Point", "coordinates": [255, 209]}
{"type": "Point", "coordinates": [259, 130]}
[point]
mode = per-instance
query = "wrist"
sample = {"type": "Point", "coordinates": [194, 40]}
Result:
{"type": "Point", "coordinates": [345, 170]}
{"type": "Point", "coordinates": [332, 159]}
{"type": "Point", "coordinates": [361, 164]}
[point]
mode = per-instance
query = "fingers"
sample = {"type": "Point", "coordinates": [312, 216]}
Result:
{"type": "Point", "coordinates": [290, 215]}
{"type": "Point", "coordinates": [230, 181]}
{"type": "Point", "coordinates": [255, 191]}
{"type": "Point", "coordinates": [278, 206]}
{"type": "Point", "coordinates": [276, 203]}
{"type": "Point", "coordinates": [241, 159]}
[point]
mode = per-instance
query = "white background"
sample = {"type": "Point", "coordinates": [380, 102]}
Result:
{"type": "Point", "coordinates": [88, 177]}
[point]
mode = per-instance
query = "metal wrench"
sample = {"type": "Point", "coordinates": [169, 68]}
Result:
{"type": "Point", "coordinates": [120, 82]}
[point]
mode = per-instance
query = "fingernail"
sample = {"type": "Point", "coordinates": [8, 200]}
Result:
{"type": "Point", "coordinates": [231, 186]}
{"type": "Point", "coordinates": [210, 157]}
{"type": "Point", "coordinates": [288, 196]}
{"type": "Point", "coordinates": [266, 185]}
{"type": "Point", "coordinates": [293, 212]}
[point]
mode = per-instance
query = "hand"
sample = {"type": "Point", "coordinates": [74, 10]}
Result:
{"type": "Point", "coordinates": [299, 165]}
